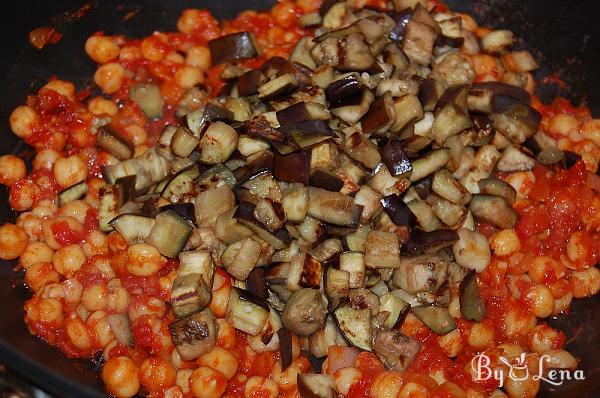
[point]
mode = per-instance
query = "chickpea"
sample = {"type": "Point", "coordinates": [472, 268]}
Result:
{"type": "Point", "coordinates": [98, 323]}
{"type": "Point", "coordinates": [31, 224]}
{"type": "Point", "coordinates": [45, 310]}
{"type": "Point", "coordinates": [40, 274]}
{"type": "Point", "coordinates": [73, 290]}
{"type": "Point", "coordinates": [190, 20]}
{"type": "Point", "coordinates": [286, 379]}
{"type": "Point", "coordinates": [151, 306]}
{"type": "Point", "coordinates": [76, 209]}
{"type": "Point", "coordinates": [183, 379]}
{"type": "Point", "coordinates": [109, 77]}
{"type": "Point", "coordinates": [544, 266]}
{"type": "Point", "coordinates": [261, 387]}
{"type": "Point", "coordinates": [144, 260]}
{"type": "Point", "coordinates": [74, 226]}
{"type": "Point", "coordinates": [559, 359]}
{"type": "Point", "coordinates": [68, 260]}
{"type": "Point", "coordinates": [510, 350]}
{"type": "Point", "coordinates": [206, 382]}
{"type": "Point", "coordinates": [157, 374]}
{"type": "Point", "coordinates": [344, 378]}
{"type": "Point", "coordinates": [413, 390]}
{"type": "Point", "coordinates": [101, 49]}
{"type": "Point", "coordinates": [13, 241]}
{"type": "Point", "coordinates": [220, 301]}
{"type": "Point", "coordinates": [45, 208]}
{"type": "Point", "coordinates": [199, 57]}
{"type": "Point", "coordinates": [130, 54]}
{"type": "Point", "coordinates": [505, 242]}
{"type": "Point", "coordinates": [387, 385]}
{"type": "Point", "coordinates": [153, 47]}
{"type": "Point", "coordinates": [518, 323]}
{"type": "Point", "coordinates": [284, 13]}
{"type": "Point", "coordinates": [120, 376]}
{"type": "Point", "coordinates": [64, 88]}
{"type": "Point", "coordinates": [188, 76]}
{"type": "Point", "coordinates": [562, 124]}
{"type": "Point", "coordinates": [222, 360]}
{"type": "Point", "coordinates": [12, 168]}
{"type": "Point", "coordinates": [102, 106]}
{"type": "Point", "coordinates": [137, 134]}
{"type": "Point", "coordinates": [95, 243]}
{"type": "Point", "coordinates": [45, 159]}
{"type": "Point", "coordinates": [540, 301]}
{"type": "Point", "coordinates": [36, 252]}
{"type": "Point", "coordinates": [480, 335]}
{"type": "Point", "coordinates": [451, 343]}
{"type": "Point", "coordinates": [174, 58]}
{"type": "Point", "coordinates": [95, 297]}
{"type": "Point", "coordinates": [118, 298]}
{"type": "Point", "coordinates": [22, 120]}
{"type": "Point", "coordinates": [226, 334]}
{"type": "Point", "coordinates": [591, 130]}
{"type": "Point", "coordinates": [585, 283]}
{"type": "Point", "coordinates": [521, 386]}
{"type": "Point", "coordinates": [78, 333]}
{"type": "Point", "coordinates": [23, 196]}
{"type": "Point", "coordinates": [544, 338]}
{"type": "Point", "coordinates": [69, 171]}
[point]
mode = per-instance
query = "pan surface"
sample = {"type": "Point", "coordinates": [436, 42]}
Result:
{"type": "Point", "coordinates": [559, 33]}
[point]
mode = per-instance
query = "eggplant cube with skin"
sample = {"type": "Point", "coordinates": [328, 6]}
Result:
{"type": "Point", "coordinates": [241, 257]}
{"type": "Point", "coordinates": [218, 143]}
{"type": "Point", "coordinates": [354, 264]}
{"type": "Point", "coordinates": [382, 250]}
{"type": "Point", "coordinates": [195, 335]}
{"type": "Point", "coordinates": [419, 39]}
{"type": "Point", "coordinates": [211, 203]}
{"type": "Point", "coordinates": [424, 273]}
{"type": "Point", "coordinates": [305, 272]}
{"type": "Point", "coordinates": [189, 294]}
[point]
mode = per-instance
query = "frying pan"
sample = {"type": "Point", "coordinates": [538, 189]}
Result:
{"type": "Point", "coordinates": [560, 33]}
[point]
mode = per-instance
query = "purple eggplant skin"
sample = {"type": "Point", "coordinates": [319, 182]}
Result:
{"type": "Point", "coordinates": [456, 94]}
{"type": "Point", "coordinates": [185, 210]}
{"type": "Point", "coordinates": [296, 113]}
{"type": "Point", "coordinates": [570, 159]}
{"type": "Point", "coordinates": [127, 185]}
{"type": "Point", "coordinates": [245, 213]}
{"type": "Point", "coordinates": [324, 179]}
{"type": "Point", "coordinates": [263, 162]}
{"type": "Point", "coordinates": [293, 167]}
{"type": "Point", "coordinates": [503, 89]}
{"type": "Point", "coordinates": [257, 129]}
{"type": "Point", "coordinates": [397, 210]}
{"type": "Point", "coordinates": [249, 82]}
{"type": "Point", "coordinates": [379, 116]}
{"type": "Point", "coordinates": [429, 93]}
{"type": "Point", "coordinates": [395, 158]}
{"type": "Point", "coordinates": [285, 348]}
{"type": "Point", "coordinates": [306, 133]}
{"type": "Point", "coordinates": [326, 6]}
{"type": "Point", "coordinates": [340, 90]}
{"type": "Point", "coordinates": [518, 109]}
{"type": "Point", "coordinates": [420, 242]}
{"type": "Point", "coordinates": [213, 113]}
{"type": "Point", "coordinates": [232, 47]}
{"type": "Point", "coordinates": [248, 296]}
{"type": "Point", "coordinates": [533, 145]}
{"type": "Point", "coordinates": [423, 187]}
{"type": "Point", "coordinates": [402, 18]}
{"type": "Point", "coordinates": [255, 283]}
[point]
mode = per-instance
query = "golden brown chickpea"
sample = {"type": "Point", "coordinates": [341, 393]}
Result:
{"type": "Point", "coordinates": [12, 168]}
{"type": "Point", "coordinates": [109, 77]}
{"type": "Point", "coordinates": [120, 376]}
{"type": "Point", "coordinates": [22, 120]}
{"type": "Point", "coordinates": [13, 241]}
{"type": "Point", "coordinates": [101, 49]}
{"type": "Point", "coordinates": [157, 374]}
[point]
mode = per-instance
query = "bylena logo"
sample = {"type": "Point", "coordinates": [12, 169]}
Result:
{"type": "Point", "coordinates": [517, 370]}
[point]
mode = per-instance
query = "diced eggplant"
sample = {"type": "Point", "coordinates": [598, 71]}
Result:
{"type": "Point", "coordinates": [181, 186]}
{"type": "Point", "coordinates": [381, 115]}
{"type": "Point", "coordinates": [355, 325]}
{"type": "Point", "coordinates": [121, 329]}
{"type": "Point", "coordinates": [514, 118]}
{"type": "Point", "coordinates": [211, 203]}
{"type": "Point", "coordinates": [428, 164]}
{"type": "Point", "coordinates": [539, 141]}
{"type": "Point", "coordinates": [397, 210]}
{"type": "Point", "coordinates": [183, 142]}
{"type": "Point", "coordinates": [148, 98]}
{"type": "Point", "coordinates": [425, 216]}
{"type": "Point", "coordinates": [472, 307]}
{"type": "Point", "coordinates": [449, 121]}
{"type": "Point", "coordinates": [245, 214]}
{"type": "Point", "coordinates": [357, 240]}
{"type": "Point", "coordinates": [307, 133]}
{"type": "Point", "coordinates": [255, 283]}
{"type": "Point", "coordinates": [270, 214]}
{"type": "Point", "coordinates": [418, 41]}
{"type": "Point", "coordinates": [449, 188]}
{"type": "Point", "coordinates": [195, 335]}
{"type": "Point", "coordinates": [169, 233]}
{"type": "Point", "coordinates": [263, 185]}
{"type": "Point", "coordinates": [294, 167]}
{"type": "Point", "coordinates": [402, 17]}
{"type": "Point", "coordinates": [72, 193]}
{"type": "Point", "coordinates": [395, 159]}
{"type": "Point", "coordinates": [304, 312]}
{"type": "Point", "coordinates": [494, 210]}
{"type": "Point", "coordinates": [437, 319]}
{"type": "Point", "coordinates": [361, 149]}
{"type": "Point", "coordinates": [430, 92]}
{"type": "Point", "coordinates": [185, 210]}
{"type": "Point", "coordinates": [396, 307]}
{"type": "Point", "coordinates": [228, 230]}
{"type": "Point", "coordinates": [232, 47]}
{"type": "Point", "coordinates": [321, 178]}
{"type": "Point", "coordinates": [305, 272]}
{"type": "Point", "coordinates": [471, 251]}
{"type": "Point", "coordinates": [189, 294]}
{"type": "Point", "coordinates": [112, 197]}
{"type": "Point", "coordinates": [198, 120]}
{"type": "Point", "coordinates": [353, 109]}
{"type": "Point", "coordinates": [354, 264]}
{"type": "Point", "coordinates": [247, 312]}
{"type": "Point", "coordinates": [218, 143]}
{"type": "Point", "coordinates": [241, 257]}
{"type": "Point", "coordinates": [278, 87]}
{"type": "Point", "coordinates": [408, 110]}
{"type": "Point", "coordinates": [315, 385]}
{"type": "Point", "coordinates": [302, 111]}
{"type": "Point", "coordinates": [249, 82]}
{"type": "Point", "coordinates": [550, 156]}
{"type": "Point", "coordinates": [285, 348]}
{"type": "Point", "coordinates": [497, 187]}
{"type": "Point", "coordinates": [114, 143]}
{"type": "Point", "coordinates": [332, 207]}
{"type": "Point", "coordinates": [336, 286]}
{"type": "Point", "coordinates": [394, 349]}
{"type": "Point", "coordinates": [382, 250]}
{"type": "Point", "coordinates": [301, 52]}
{"type": "Point", "coordinates": [455, 94]}
{"type": "Point", "coordinates": [133, 227]}
{"type": "Point", "coordinates": [148, 168]}
{"type": "Point", "coordinates": [428, 242]}
{"type": "Point", "coordinates": [449, 213]}
{"type": "Point", "coordinates": [424, 273]}
{"type": "Point", "coordinates": [327, 252]}
{"type": "Point", "coordinates": [347, 53]}
{"type": "Point", "coordinates": [481, 94]}
{"type": "Point", "coordinates": [342, 89]}
{"type": "Point", "coordinates": [215, 176]}
{"type": "Point", "coordinates": [514, 160]}
{"type": "Point", "coordinates": [369, 199]}
{"type": "Point", "coordinates": [295, 203]}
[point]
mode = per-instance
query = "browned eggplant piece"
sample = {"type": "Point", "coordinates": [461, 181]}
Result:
{"type": "Point", "coordinates": [245, 214]}
{"type": "Point", "coordinates": [395, 307]}
{"type": "Point", "coordinates": [278, 87]}
{"type": "Point", "coordinates": [305, 271]}
{"type": "Point", "coordinates": [397, 210]}
{"type": "Point", "coordinates": [348, 53]}
{"type": "Point", "coordinates": [294, 167]}
{"type": "Point", "coordinates": [285, 348]}
{"type": "Point", "coordinates": [307, 133]}
{"type": "Point", "coordinates": [418, 42]}
{"type": "Point", "coordinates": [347, 87]}
{"type": "Point", "coordinates": [456, 94]}
{"type": "Point", "coordinates": [315, 385]}
{"type": "Point", "coordinates": [247, 312]}
{"type": "Point", "coordinates": [402, 18]}
{"type": "Point", "coordinates": [497, 187]}
{"type": "Point", "coordinates": [322, 178]}
{"type": "Point", "coordinates": [421, 242]}
{"type": "Point", "coordinates": [514, 118]}
{"type": "Point", "coordinates": [381, 115]}
{"type": "Point", "coordinates": [257, 129]}
{"type": "Point", "coordinates": [481, 94]}
{"type": "Point", "coordinates": [382, 250]}
{"type": "Point", "coordinates": [194, 335]}
{"type": "Point", "coordinates": [437, 319]}
{"type": "Point", "coordinates": [232, 47]}
{"type": "Point", "coordinates": [425, 273]}
{"type": "Point", "coordinates": [570, 159]}
{"type": "Point", "coordinates": [255, 282]}
{"type": "Point", "coordinates": [189, 294]}
{"type": "Point", "coordinates": [360, 148]}
{"type": "Point", "coordinates": [430, 92]}
{"type": "Point", "coordinates": [423, 187]}
{"type": "Point", "coordinates": [336, 286]}
{"type": "Point", "coordinates": [185, 210]}
{"type": "Point", "coordinates": [355, 325]}
{"type": "Point", "coordinates": [494, 210]}
{"type": "Point", "coordinates": [483, 130]}
{"type": "Point", "coordinates": [395, 159]}
{"type": "Point", "coordinates": [301, 112]}
{"type": "Point", "coordinates": [333, 207]}
{"type": "Point", "coordinates": [114, 143]}
{"type": "Point", "coordinates": [256, 163]}
{"type": "Point", "coordinates": [249, 82]}
{"type": "Point", "coordinates": [394, 349]}
{"type": "Point", "coordinates": [304, 312]}
{"type": "Point", "coordinates": [472, 307]}
{"type": "Point", "coordinates": [393, 55]}
{"type": "Point", "coordinates": [198, 120]}
{"type": "Point", "coordinates": [352, 109]}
